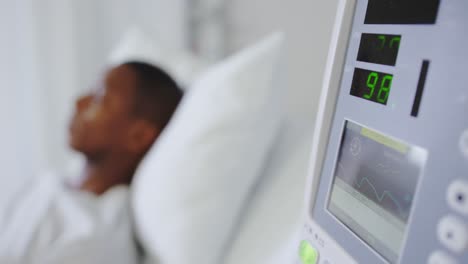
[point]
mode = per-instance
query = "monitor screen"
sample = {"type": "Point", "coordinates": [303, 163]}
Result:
{"type": "Point", "coordinates": [374, 185]}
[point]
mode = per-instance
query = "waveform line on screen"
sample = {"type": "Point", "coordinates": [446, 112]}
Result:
{"type": "Point", "coordinates": [379, 197]}
{"type": "Point", "coordinates": [382, 196]}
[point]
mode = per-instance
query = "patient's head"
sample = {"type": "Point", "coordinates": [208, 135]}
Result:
{"type": "Point", "coordinates": [117, 123]}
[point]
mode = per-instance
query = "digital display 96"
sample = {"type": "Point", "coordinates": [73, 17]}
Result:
{"type": "Point", "coordinates": [371, 85]}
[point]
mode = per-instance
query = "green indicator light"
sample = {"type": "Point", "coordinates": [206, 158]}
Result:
{"type": "Point", "coordinates": [307, 253]}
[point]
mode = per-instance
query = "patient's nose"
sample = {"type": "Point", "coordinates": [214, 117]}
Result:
{"type": "Point", "coordinates": [83, 102]}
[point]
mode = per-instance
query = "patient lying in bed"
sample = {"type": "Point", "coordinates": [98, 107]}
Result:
{"type": "Point", "coordinates": [113, 127]}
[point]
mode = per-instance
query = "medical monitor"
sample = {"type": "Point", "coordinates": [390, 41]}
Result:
{"type": "Point", "coordinates": [388, 180]}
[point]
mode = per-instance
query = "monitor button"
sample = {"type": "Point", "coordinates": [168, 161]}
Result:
{"type": "Point", "coordinates": [439, 257]}
{"type": "Point", "coordinates": [453, 233]}
{"type": "Point", "coordinates": [307, 253]}
{"type": "Point", "coordinates": [457, 196]}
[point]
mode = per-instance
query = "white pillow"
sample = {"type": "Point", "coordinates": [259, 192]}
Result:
{"type": "Point", "coordinates": [191, 188]}
{"type": "Point", "coordinates": [138, 45]}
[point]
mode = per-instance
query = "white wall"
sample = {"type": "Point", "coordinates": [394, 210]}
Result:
{"type": "Point", "coordinates": [20, 151]}
{"type": "Point", "coordinates": [100, 24]}
{"type": "Point", "coordinates": [308, 25]}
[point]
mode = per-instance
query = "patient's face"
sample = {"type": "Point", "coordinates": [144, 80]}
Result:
{"type": "Point", "coordinates": [103, 116]}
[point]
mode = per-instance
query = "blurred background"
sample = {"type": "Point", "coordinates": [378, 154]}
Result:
{"type": "Point", "coordinates": [53, 50]}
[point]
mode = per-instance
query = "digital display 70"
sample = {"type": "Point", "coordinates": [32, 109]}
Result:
{"type": "Point", "coordinates": [379, 48]}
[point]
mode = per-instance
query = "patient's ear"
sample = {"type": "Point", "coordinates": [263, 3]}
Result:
{"type": "Point", "coordinates": [141, 136]}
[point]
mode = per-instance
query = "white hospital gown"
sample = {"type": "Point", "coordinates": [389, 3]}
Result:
{"type": "Point", "coordinates": [42, 221]}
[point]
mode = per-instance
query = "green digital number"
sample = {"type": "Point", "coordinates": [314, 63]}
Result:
{"type": "Point", "coordinates": [372, 81]}
{"type": "Point", "coordinates": [395, 40]}
{"type": "Point", "coordinates": [384, 91]}
{"type": "Point", "coordinates": [382, 39]}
